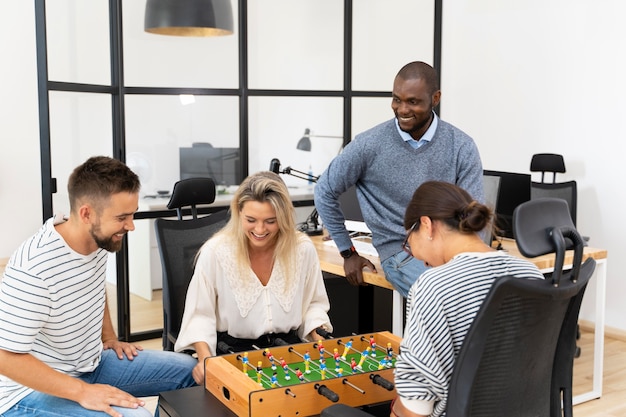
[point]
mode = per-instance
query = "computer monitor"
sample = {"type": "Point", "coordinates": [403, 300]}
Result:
{"type": "Point", "coordinates": [514, 190]}
{"type": "Point", "coordinates": [350, 205]}
{"type": "Point", "coordinates": [220, 164]}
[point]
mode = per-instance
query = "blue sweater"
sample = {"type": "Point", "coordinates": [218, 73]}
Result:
{"type": "Point", "coordinates": [386, 172]}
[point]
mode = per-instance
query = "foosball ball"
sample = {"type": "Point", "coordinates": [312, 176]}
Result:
{"type": "Point", "coordinates": [303, 379]}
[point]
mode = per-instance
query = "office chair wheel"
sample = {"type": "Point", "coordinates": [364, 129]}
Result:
{"type": "Point", "coordinates": [577, 353]}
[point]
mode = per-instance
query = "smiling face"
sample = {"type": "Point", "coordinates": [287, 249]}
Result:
{"type": "Point", "coordinates": [412, 103]}
{"type": "Point", "coordinates": [113, 221]}
{"type": "Point", "coordinates": [259, 222]}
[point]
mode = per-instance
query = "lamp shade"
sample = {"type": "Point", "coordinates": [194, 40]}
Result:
{"type": "Point", "coordinates": [304, 144]}
{"type": "Point", "coordinates": [189, 17]}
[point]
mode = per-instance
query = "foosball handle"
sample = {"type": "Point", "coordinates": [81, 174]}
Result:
{"type": "Point", "coordinates": [324, 333]}
{"type": "Point", "coordinates": [379, 380]}
{"type": "Point", "coordinates": [327, 392]}
{"type": "Point", "coordinates": [224, 347]}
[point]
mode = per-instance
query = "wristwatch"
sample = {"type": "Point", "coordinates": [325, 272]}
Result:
{"type": "Point", "coordinates": [345, 254]}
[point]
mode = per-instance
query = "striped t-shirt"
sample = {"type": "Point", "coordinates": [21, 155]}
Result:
{"type": "Point", "coordinates": [51, 306]}
{"type": "Point", "coordinates": [441, 307]}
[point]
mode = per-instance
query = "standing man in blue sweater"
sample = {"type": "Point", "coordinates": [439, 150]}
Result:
{"type": "Point", "coordinates": [386, 164]}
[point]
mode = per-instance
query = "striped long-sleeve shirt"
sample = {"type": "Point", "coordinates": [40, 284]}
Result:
{"type": "Point", "coordinates": [51, 306]}
{"type": "Point", "coordinates": [441, 306]}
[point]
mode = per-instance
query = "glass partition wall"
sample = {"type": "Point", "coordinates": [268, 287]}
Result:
{"type": "Point", "coordinates": [109, 88]}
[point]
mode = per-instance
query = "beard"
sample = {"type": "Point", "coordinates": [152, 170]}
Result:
{"type": "Point", "coordinates": [418, 126]}
{"type": "Point", "coordinates": [105, 243]}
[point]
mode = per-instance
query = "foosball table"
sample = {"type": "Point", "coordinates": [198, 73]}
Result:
{"type": "Point", "coordinates": [303, 379]}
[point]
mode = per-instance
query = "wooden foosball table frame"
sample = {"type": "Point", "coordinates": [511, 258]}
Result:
{"type": "Point", "coordinates": [244, 396]}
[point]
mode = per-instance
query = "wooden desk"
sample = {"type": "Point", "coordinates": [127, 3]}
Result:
{"type": "Point", "coordinates": [332, 262]}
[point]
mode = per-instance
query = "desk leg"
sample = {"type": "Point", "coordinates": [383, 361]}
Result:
{"type": "Point", "coordinates": [397, 317]}
{"type": "Point", "coordinates": [598, 343]}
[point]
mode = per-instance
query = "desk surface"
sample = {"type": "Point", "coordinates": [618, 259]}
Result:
{"type": "Point", "coordinates": [332, 262]}
{"type": "Point", "coordinates": [547, 261]}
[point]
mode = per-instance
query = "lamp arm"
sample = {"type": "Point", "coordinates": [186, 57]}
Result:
{"type": "Point", "coordinates": [300, 174]}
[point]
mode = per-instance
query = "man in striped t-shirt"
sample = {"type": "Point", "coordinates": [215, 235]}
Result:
{"type": "Point", "coordinates": [58, 348]}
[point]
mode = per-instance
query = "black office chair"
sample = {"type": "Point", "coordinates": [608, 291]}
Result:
{"type": "Point", "coordinates": [568, 191]}
{"type": "Point", "coordinates": [517, 358]}
{"type": "Point", "coordinates": [178, 242]}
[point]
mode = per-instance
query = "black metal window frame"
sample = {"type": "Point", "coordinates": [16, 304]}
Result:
{"type": "Point", "coordinates": [118, 91]}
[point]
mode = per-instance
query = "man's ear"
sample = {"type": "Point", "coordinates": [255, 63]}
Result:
{"type": "Point", "coordinates": [86, 213]}
{"type": "Point", "coordinates": [436, 98]}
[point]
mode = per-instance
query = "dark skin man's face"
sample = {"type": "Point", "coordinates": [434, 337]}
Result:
{"type": "Point", "coordinates": [413, 105]}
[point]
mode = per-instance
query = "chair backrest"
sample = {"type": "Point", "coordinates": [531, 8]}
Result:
{"type": "Point", "coordinates": [551, 162]}
{"type": "Point", "coordinates": [567, 191]}
{"type": "Point", "coordinates": [547, 162]}
{"type": "Point", "coordinates": [191, 192]}
{"type": "Point", "coordinates": [517, 357]}
{"type": "Point", "coordinates": [178, 242]}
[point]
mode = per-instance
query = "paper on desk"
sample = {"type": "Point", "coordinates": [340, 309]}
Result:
{"type": "Point", "coordinates": [354, 226]}
{"type": "Point", "coordinates": [362, 247]}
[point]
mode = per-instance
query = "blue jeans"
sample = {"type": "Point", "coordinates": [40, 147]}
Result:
{"type": "Point", "coordinates": [402, 270]}
{"type": "Point", "coordinates": [149, 373]}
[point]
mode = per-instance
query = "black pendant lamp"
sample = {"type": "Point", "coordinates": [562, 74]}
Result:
{"type": "Point", "coordinates": [189, 17]}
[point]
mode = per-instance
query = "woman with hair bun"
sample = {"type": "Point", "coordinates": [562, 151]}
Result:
{"type": "Point", "coordinates": [443, 222]}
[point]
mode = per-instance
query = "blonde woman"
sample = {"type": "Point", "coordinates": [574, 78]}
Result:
{"type": "Point", "coordinates": [256, 280]}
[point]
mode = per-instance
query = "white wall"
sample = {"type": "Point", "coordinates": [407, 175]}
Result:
{"type": "Point", "coordinates": [20, 184]}
{"type": "Point", "coordinates": [520, 77]}
{"type": "Point", "coordinates": [536, 76]}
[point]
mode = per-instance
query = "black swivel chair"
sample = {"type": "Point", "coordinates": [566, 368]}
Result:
{"type": "Point", "coordinates": [517, 358]}
{"type": "Point", "coordinates": [554, 163]}
{"type": "Point", "coordinates": [178, 242]}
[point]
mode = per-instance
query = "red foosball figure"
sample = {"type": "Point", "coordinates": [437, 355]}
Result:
{"type": "Point", "coordinates": [353, 365]}
{"type": "Point", "coordinates": [320, 348]}
{"type": "Point", "coordinates": [373, 346]}
{"type": "Point", "coordinates": [299, 375]}
{"type": "Point", "coordinates": [270, 357]}
{"type": "Point", "coordinates": [336, 357]}
{"type": "Point", "coordinates": [283, 363]}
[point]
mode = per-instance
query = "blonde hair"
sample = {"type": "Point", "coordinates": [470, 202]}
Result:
{"type": "Point", "coordinates": [265, 187]}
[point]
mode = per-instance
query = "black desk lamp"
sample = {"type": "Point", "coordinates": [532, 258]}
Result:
{"type": "Point", "coordinates": [311, 226]}
{"type": "Point", "coordinates": [304, 144]}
